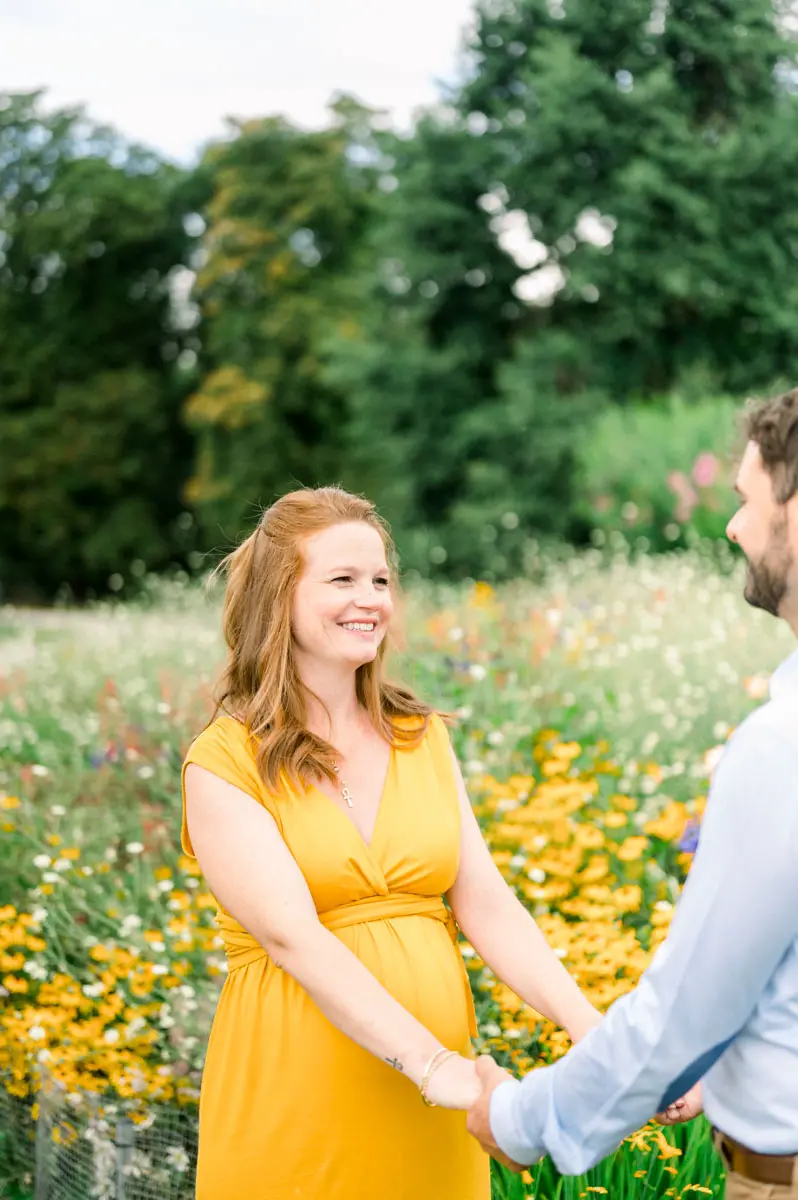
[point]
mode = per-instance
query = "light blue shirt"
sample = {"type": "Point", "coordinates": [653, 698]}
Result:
{"type": "Point", "coordinates": [720, 998]}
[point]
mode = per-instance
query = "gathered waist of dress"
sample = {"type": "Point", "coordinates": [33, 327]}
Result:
{"type": "Point", "coordinates": [242, 948]}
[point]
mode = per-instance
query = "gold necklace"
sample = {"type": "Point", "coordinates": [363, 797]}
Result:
{"type": "Point", "coordinates": [345, 792]}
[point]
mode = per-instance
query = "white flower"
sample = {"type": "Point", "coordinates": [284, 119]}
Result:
{"type": "Point", "coordinates": [712, 758]}
{"type": "Point", "coordinates": [40, 771]}
{"type": "Point", "coordinates": [37, 1033]}
{"type": "Point", "coordinates": [93, 989]}
{"type": "Point", "coordinates": [560, 951]}
{"type": "Point", "coordinates": [41, 861]}
{"type": "Point", "coordinates": [177, 1158]}
{"type": "Point", "coordinates": [158, 947]}
{"type": "Point", "coordinates": [163, 708]}
{"type": "Point", "coordinates": [130, 922]}
{"type": "Point", "coordinates": [475, 767]}
{"type": "Point", "coordinates": [51, 877]}
{"type": "Point", "coordinates": [58, 810]}
{"type": "Point", "coordinates": [39, 915]}
{"type": "Point", "coordinates": [111, 1036]}
{"type": "Point", "coordinates": [134, 848]}
{"type": "Point", "coordinates": [536, 875]}
{"type": "Point", "coordinates": [145, 772]}
{"type": "Point", "coordinates": [477, 672]}
{"type": "Point", "coordinates": [165, 885]}
{"type": "Point", "coordinates": [62, 864]}
{"type": "Point", "coordinates": [495, 737]}
{"type": "Point", "coordinates": [35, 970]}
{"type": "Point", "coordinates": [455, 635]}
{"type": "Point", "coordinates": [160, 969]}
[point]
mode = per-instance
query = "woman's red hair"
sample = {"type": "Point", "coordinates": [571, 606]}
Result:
{"type": "Point", "coordinates": [260, 684]}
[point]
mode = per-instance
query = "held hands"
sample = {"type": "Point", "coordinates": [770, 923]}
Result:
{"type": "Point", "coordinates": [689, 1106]}
{"type": "Point", "coordinates": [454, 1084]}
{"type": "Point", "coordinates": [490, 1075]}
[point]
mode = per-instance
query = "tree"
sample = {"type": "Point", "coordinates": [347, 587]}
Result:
{"type": "Point", "coordinates": [287, 214]}
{"type": "Point", "coordinates": [652, 148]}
{"type": "Point", "coordinates": [93, 450]}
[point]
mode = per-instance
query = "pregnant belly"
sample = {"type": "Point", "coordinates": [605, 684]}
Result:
{"type": "Point", "coordinates": [414, 959]}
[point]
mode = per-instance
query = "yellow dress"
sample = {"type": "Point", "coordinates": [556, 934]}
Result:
{"type": "Point", "coordinates": [291, 1107]}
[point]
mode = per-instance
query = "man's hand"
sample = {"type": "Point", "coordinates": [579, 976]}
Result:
{"type": "Point", "coordinates": [490, 1075]}
{"type": "Point", "coordinates": [689, 1106]}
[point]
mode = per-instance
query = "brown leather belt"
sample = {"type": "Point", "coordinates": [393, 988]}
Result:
{"type": "Point", "coordinates": [763, 1168]}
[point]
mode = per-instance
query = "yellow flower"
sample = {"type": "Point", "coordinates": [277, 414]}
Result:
{"type": "Point", "coordinates": [666, 1148]}
{"type": "Point", "coordinates": [632, 849]}
{"type": "Point", "coordinates": [628, 898]}
{"type": "Point", "coordinates": [9, 802]}
{"type": "Point", "coordinates": [670, 824]}
{"type": "Point", "coordinates": [615, 820]}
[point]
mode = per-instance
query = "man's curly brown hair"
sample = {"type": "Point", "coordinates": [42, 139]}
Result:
{"type": "Point", "coordinates": [773, 425]}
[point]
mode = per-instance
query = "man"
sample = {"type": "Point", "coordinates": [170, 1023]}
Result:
{"type": "Point", "coordinates": [719, 1002]}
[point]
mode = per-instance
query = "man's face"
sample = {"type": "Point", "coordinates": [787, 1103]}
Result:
{"type": "Point", "coordinates": [762, 528]}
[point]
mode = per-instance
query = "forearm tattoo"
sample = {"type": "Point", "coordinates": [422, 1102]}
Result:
{"type": "Point", "coordinates": [394, 1062]}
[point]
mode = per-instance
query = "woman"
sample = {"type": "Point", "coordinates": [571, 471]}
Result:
{"type": "Point", "coordinates": [329, 816]}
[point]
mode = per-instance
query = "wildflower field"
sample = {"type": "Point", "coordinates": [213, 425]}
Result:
{"type": "Point", "coordinates": [591, 706]}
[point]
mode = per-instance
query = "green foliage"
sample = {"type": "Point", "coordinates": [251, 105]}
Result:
{"type": "Point", "coordinates": [604, 212]}
{"type": "Point", "coordinates": [436, 323]}
{"type": "Point", "coordinates": [92, 447]}
{"type": "Point", "coordinates": [285, 218]}
{"type": "Point", "coordinates": [653, 150]}
{"type": "Point", "coordinates": [663, 472]}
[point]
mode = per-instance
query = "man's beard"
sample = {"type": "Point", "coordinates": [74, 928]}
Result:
{"type": "Point", "coordinates": [767, 580]}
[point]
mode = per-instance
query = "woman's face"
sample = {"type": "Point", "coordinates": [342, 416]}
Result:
{"type": "Point", "coordinates": [342, 604]}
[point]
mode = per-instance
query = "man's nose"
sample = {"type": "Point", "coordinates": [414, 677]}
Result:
{"type": "Point", "coordinates": [731, 530]}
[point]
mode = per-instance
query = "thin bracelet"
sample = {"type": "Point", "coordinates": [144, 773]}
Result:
{"type": "Point", "coordinates": [436, 1061]}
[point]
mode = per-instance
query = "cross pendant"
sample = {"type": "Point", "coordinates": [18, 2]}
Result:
{"type": "Point", "coordinates": [347, 795]}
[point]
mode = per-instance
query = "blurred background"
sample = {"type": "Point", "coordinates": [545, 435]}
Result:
{"type": "Point", "coordinates": [508, 268]}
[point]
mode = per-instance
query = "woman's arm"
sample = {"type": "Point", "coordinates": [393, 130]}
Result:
{"type": "Point", "coordinates": [506, 936]}
{"type": "Point", "coordinates": [255, 878]}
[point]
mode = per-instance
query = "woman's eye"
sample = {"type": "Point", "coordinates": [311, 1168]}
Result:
{"type": "Point", "coordinates": [343, 579]}
{"type": "Point", "coordinates": [382, 581]}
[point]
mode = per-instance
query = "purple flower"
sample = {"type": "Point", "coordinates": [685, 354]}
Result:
{"type": "Point", "coordinates": [688, 843]}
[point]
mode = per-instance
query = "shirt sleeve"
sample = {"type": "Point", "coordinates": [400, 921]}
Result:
{"type": "Point", "coordinates": [736, 919]}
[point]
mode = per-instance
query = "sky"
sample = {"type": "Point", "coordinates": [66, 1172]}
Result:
{"type": "Point", "coordinates": [167, 72]}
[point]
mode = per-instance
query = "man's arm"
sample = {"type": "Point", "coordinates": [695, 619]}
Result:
{"type": "Point", "coordinates": [736, 918]}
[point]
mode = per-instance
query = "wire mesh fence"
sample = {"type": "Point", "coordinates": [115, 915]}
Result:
{"type": "Point", "coordinates": [75, 1146]}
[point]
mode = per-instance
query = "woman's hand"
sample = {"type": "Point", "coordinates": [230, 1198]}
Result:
{"type": "Point", "coordinates": [455, 1084]}
{"type": "Point", "coordinates": [689, 1106]}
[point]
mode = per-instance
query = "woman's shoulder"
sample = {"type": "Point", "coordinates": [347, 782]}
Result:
{"type": "Point", "coordinates": [226, 735]}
